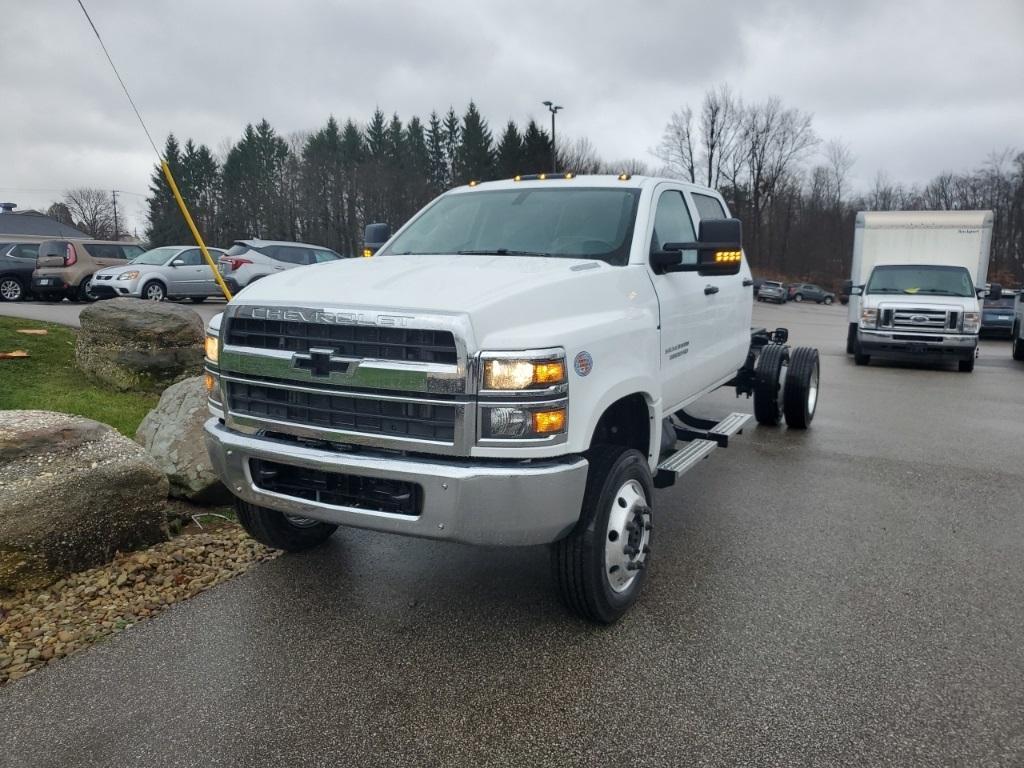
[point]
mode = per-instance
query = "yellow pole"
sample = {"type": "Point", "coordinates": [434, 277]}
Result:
{"type": "Point", "coordinates": [195, 232]}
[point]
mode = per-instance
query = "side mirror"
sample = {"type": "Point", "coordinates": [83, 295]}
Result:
{"type": "Point", "coordinates": [719, 249]}
{"type": "Point", "coordinates": [374, 237]}
{"type": "Point", "coordinates": [856, 290]}
{"type": "Point", "coordinates": [178, 263]}
{"type": "Point", "coordinates": [995, 292]}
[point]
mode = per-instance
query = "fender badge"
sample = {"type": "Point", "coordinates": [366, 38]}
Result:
{"type": "Point", "coordinates": [583, 364]}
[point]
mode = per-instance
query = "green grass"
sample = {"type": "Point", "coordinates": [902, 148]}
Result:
{"type": "Point", "coordinates": [48, 379]}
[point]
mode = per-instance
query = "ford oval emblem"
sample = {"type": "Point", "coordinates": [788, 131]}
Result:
{"type": "Point", "coordinates": [919, 319]}
{"type": "Point", "coordinates": [583, 364]}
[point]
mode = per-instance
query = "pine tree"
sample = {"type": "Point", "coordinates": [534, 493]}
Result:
{"type": "Point", "coordinates": [536, 149]}
{"type": "Point", "coordinates": [253, 182]}
{"type": "Point", "coordinates": [419, 178]}
{"type": "Point", "coordinates": [452, 138]}
{"type": "Point", "coordinates": [474, 158]}
{"type": "Point", "coordinates": [510, 154]}
{"type": "Point", "coordinates": [439, 178]}
{"type": "Point", "coordinates": [166, 224]}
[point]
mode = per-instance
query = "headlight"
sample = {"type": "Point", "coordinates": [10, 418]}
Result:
{"type": "Point", "coordinates": [534, 421]}
{"type": "Point", "coordinates": [972, 322]}
{"type": "Point", "coordinates": [212, 350]}
{"type": "Point", "coordinates": [522, 373]}
{"type": "Point", "coordinates": [869, 318]}
{"type": "Point", "coordinates": [132, 275]}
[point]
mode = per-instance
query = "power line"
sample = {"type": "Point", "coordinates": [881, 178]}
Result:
{"type": "Point", "coordinates": [118, 75]}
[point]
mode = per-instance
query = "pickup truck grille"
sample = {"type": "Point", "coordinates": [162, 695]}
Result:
{"type": "Point", "coordinates": [405, 344]}
{"type": "Point", "coordinates": [923, 320]}
{"type": "Point", "coordinates": [391, 417]}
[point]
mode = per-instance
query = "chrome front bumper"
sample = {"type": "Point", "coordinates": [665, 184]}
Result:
{"type": "Point", "coordinates": [909, 344]}
{"type": "Point", "coordinates": [507, 503]}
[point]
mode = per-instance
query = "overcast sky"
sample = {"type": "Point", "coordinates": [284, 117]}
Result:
{"type": "Point", "coordinates": [914, 88]}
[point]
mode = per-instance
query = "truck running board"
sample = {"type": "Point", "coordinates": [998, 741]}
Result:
{"type": "Point", "coordinates": [700, 444]}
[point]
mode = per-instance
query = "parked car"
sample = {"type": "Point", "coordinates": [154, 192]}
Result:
{"type": "Point", "coordinates": [997, 316]}
{"type": "Point", "coordinates": [17, 261]}
{"type": "Point", "coordinates": [249, 260]}
{"type": "Point", "coordinates": [168, 272]}
{"type": "Point", "coordinates": [772, 291]}
{"type": "Point", "coordinates": [810, 292]}
{"type": "Point", "coordinates": [64, 268]}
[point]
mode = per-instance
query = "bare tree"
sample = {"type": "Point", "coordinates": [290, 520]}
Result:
{"type": "Point", "coordinates": [93, 211]}
{"type": "Point", "coordinates": [579, 156]}
{"type": "Point", "coordinates": [59, 212]}
{"type": "Point", "coordinates": [719, 128]}
{"type": "Point", "coordinates": [676, 149]}
{"type": "Point", "coordinates": [840, 160]}
{"type": "Point", "coordinates": [630, 165]}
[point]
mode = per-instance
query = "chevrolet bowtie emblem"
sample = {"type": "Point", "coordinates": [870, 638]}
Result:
{"type": "Point", "coordinates": [322, 362]}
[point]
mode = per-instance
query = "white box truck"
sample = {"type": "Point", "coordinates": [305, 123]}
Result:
{"type": "Point", "coordinates": [915, 283]}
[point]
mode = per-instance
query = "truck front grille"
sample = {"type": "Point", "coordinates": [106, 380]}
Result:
{"type": "Point", "coordinates": [398, 418]}
{"type": "Point", "coordinates": [406, 344]}
{"type": "Point", "coordinates": [924, 320]}
{"type": "Point", "coordinates": [337, 490]}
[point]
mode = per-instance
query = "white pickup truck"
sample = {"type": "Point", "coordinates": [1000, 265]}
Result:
{"type": "Point", "coordinates": [510, 368]}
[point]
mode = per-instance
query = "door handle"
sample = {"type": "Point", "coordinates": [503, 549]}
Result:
{"type": "Point", "coordinates": [710, 289]}
{"type": "Point", "coordinates": [747, 283]}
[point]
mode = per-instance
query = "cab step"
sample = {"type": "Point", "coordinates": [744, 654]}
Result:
{"type": "Point", "coordinates": [698, 446]}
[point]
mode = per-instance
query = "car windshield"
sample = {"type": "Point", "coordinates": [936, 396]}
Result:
{"type": "Point", "coordinates": [157, 256]}
{"type": "Point", "coordinates": [917, 280]}
{"type": "Point", "coordinates": [1004, 303]}
{"type": "Point", "coordinates": [770, 284]}
{"type": "Point", "coordinates": [577, 223]}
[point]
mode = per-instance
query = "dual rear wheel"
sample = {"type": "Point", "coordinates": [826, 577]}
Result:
{"type": "Point", "coordinates": [786, 384]}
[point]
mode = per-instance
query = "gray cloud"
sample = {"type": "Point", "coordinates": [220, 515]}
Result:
{"type": "Point", "coordinates": [913, 87]}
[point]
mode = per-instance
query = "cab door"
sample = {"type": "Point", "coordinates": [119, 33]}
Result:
{"type": "Point", "coordinates": [685, 309]}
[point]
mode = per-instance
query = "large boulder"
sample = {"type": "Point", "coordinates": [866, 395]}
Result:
{"type": "Point", "coordinates": [137, 345]}
{"type": "Point", "coordinates": [172, 433]}
{"type": "Point", "coordinates": [72, 493]}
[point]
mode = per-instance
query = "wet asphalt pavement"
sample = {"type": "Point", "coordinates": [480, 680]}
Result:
{"type": "Point", "coordinates": [852, 595]}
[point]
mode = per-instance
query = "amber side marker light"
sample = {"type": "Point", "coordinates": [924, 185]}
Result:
{"type": "Point", "coordinates": [367, 253]}
{"type": "Point", "coordinates": [546, 422]}
{"type": "Point", "coordinates": [727, 257]}
{"type": "Point", "coordinates": [473, 183]}
{"type": "Point", "coordinates": [209, 382]}
{"type": "Point", "coordinates": [625, 176]}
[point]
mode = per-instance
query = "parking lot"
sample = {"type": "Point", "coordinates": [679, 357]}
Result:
{"type": "Point", "coordinates": [850, 595]}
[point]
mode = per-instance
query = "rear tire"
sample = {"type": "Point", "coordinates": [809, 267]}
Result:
{"type": "Point", "coordinates": [800, 395]}
{"type": "Point", "coordinates": [277, 531]}
{"type": "Point", "coordinates": [766, 384]}
{"type": "Point", "coordinates": [966, 366]}
{"type": "Point", "coordinates": [594, 579]}
{"type": "Point", "coordinates": [11, 289]}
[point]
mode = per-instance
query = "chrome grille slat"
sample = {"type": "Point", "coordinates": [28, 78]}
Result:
{"type": "Point", "coordinates": [921, 320]}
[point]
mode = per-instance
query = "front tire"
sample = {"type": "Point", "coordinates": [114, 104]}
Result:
{"type": "Point", "coordinates": [828, 300]}
{"type": "Point", "coordinates": [279, 531]}
{"type": "Point", "coordinates": [851, 339]}
{"type": "Point", "coordinates": [800, 395]}
{"type": "Point", "coordinates": [11, 289]}
{"type": "Point", "coordinates": [965, 366]}
{"type": "Point", "coordinates": [1018, 345]}
{"type": "Point", "coordinates": [798, 297]}
{"type": "Point", "coordinates": [154, 291]}
{"type": "Point", "coordinates": [600, 568]}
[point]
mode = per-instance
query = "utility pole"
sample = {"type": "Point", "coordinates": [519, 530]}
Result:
{"type": "Point", "coordinates": [117, 232]}
{"type": "Point", "coordinates": [553, 109]}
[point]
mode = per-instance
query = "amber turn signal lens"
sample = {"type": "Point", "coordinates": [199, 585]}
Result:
{"type": "Point", "coordinates": [549, 373]}
{"type": "Point", "coordinates": [727, 257]}
{"type": "Point", "coordinates": [548, 422]}
{"type": "Point", "coordinates": [209, 382]}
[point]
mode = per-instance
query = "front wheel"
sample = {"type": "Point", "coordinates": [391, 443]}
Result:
{"type": "Point", "coordinates": [1018, 345]}
{"type": "Point", "coordinates": [828, 300]}
{"type": "Point", "coordinates": [966, 366]}
{"type": "Point", "coordinates": [600, 567]}
{"type": "Point", "coordinates": [85, 290]}
{"type": "Point", "coordinates": [11, 289]}
{"type": "Point", "coordinates": [153, 291]}
{"type": "Point", "coordinates": [281, 531]}
{"type": "Point", "coordinates": [798, 297]}
{"type": "Point", "coordinates": [851, 339]}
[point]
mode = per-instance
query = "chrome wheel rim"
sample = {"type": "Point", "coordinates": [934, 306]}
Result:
{"type": "Point", "coordinates": [10, 290]}
{"type": "Point", "coordinates": [154, 293]}
{"type": "Point", "coordinates": [627, 540]}
{"type": "Point", "coordinates": [812, 390]}
{"type": "Point", "coordinates": [300, 522]}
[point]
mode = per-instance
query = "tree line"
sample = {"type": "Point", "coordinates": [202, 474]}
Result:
{"type": "Point", "coordinates": [791, 189]}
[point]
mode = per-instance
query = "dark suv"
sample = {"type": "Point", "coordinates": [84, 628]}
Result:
{"type": "Point", "coordinates": [17, 260]}
{"type": "Point", "coordinates": [810, 292]}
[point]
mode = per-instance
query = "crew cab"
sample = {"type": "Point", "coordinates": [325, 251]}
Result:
{"type": "Point", "coordinates": [512, 367]}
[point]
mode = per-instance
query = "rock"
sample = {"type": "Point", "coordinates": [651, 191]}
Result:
{"type": "Point", "coordinates": [70, 505]}
{"type": "Point", "coordinates": [172, 434]}
{"type": "Point", "coordinates": [139, 345]}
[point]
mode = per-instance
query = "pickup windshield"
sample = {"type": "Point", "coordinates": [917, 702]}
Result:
{"type": "Point", "coordinates": [576, 223]}
{"type": "Point", "coordinates": [921, 280]}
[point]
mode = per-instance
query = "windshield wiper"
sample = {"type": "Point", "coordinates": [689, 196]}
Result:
{"type": "Point", "coordinates": [501, 252]}
{"type": "Point", "coordinates": [934, 291]}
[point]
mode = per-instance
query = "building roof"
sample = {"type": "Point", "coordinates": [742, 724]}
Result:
{"type": "Point", "coordinates": [30, 223]}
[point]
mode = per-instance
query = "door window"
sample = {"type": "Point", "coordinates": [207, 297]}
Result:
{"type": "Point", "coordinates": [105, 251]}
{"type": "Point", "coordinates": [25, 251]}
{"type": "Point", "coordinates": [672, 224]}
{"type": "Point", "coordinates": [289, 254]}
{"type": "Point", "coordinates": [709, 207]}
{"type": "Point", "coordinates": [191, 257]}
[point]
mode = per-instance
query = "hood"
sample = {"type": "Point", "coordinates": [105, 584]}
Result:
{"type": "Point", "coordinates": [920, 300]}
{"type": "Point", "coordinates": [115, 271]}
{"type": "Point", "coordinates": [507, 300]}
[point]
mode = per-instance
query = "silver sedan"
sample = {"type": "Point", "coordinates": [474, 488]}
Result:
{"type": "Point", "coordinates": [169, 272]}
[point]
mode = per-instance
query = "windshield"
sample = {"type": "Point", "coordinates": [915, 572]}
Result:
{"type": "Point", "coordinates": [921, 280]}
{"type": "Point", "coordinates": [578, 223]}
{"type": "Point", "coordinates": [157, 256]}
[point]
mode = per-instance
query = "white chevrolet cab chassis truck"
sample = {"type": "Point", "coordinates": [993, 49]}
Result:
{"type": "Point", "coordinates": [512, 367]}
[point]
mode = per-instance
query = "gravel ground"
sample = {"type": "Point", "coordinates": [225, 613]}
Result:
{"type": "Point", "coordinates": [37, 627]}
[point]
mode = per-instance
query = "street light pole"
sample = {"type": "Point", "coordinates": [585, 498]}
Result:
{"type": "Point", "coordinates": [553, 109]}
